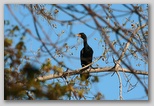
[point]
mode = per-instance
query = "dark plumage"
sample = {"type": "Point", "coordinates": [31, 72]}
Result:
{"type": "Point", "coordinates": [86, 55]}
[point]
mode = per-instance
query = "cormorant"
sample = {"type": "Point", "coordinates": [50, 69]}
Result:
{"type": "Point", "coordinates": [86, 55]}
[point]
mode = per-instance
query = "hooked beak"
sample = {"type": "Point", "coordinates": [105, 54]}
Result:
{"type": "Point", "coordinates": [79, 35]}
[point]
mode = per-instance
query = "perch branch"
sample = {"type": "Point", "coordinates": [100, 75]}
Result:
{"type": "Point", "coordinates": [75, 72]}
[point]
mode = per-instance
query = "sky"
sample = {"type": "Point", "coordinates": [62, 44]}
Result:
{"type": "Point", "coordinates": [108, 85]}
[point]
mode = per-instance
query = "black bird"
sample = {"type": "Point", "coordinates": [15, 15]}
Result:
{"type": "Point", "coordinates": [86, 55]}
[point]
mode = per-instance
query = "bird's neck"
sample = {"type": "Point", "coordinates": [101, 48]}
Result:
{"type": "Point", "coordinates": [85, 42]}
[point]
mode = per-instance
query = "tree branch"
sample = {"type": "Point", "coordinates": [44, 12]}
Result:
{"type": "Point", "coordinates": [120, 86]}
{"type": "Point", "coordinates": [75, 72]}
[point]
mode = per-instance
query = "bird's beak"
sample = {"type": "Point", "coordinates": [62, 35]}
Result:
{"type": "Point", "coordinates": [79, 35]}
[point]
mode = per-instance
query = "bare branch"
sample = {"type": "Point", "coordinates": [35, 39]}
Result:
{"type": "Point", "coordinates": [120, 86]}
{"type": "Point", "coordinates": [75, 72]}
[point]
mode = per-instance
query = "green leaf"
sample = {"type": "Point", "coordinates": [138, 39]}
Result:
{"type": "Point", "coordinates": [7, 42]}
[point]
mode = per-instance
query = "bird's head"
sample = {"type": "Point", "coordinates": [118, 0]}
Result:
{"type": "Point", "coordinates": [82, 35]}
